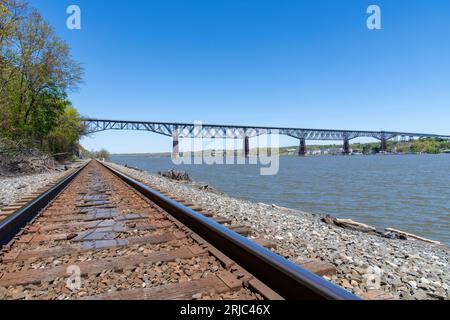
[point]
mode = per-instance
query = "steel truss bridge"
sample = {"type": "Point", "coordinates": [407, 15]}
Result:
{"type": "Point", "coordinates": [200, 130]}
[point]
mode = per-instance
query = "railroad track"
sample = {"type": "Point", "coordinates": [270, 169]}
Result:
{"type": "Point", "coordinates": [98, 234]}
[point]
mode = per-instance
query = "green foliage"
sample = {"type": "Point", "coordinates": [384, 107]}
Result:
{"type": "Point", "coordinates": [64, 138]}
{"type": "Point", "coordinates": [430, 145]}
{"type": "Point", "coordinates": [36, 72]}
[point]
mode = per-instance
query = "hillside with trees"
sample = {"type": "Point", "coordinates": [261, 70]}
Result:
{"type": "Point", "coordinates": [36, 74]}
{"type": "Point", "coordinates": [430, 146]}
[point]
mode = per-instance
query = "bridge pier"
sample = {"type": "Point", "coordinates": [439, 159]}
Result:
{"type": "Point", "coordinates": [246, 146]}
{"type": "Point", "coordinates": [383, 147]}
{"type": "Point", "coordinates": [176, 145]}
{"type": "Point", "coordinates": [346, 146]}
{"type": "Point", "coordinates": [302, 147]}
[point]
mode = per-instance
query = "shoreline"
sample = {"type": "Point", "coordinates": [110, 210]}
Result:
{"type": "Point", "coordinates": [364, 228]}
{"type": "Point", "coordinates": [404, 269]}
{"type": "Point", "coordinates": [398, 226]}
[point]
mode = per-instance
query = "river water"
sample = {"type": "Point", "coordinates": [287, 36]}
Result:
{"type": "Point", "coordinates": [407, 192]}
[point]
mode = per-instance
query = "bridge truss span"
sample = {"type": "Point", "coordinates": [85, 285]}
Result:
{"type": "Point", "coordinates": [200, 130]}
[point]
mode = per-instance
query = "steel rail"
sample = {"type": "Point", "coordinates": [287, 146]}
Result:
{"type": "Point", "coordinates": [283, 276]}
{"type": "Point", "coordinates": [14, 223]}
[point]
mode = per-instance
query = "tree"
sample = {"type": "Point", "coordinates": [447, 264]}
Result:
{"type": "Point", "coordinates": [12, 13]}
{"type": "Point", "coordinates": [426, 146]}
{"type": "Point", "coordinates": [36, 74]}
{"type": "Point", "coordinates": [102, 155]}
{"type": "Point", "coordinates": [63, 140]}
{"type": "Point", "coordinates": [45, 65]}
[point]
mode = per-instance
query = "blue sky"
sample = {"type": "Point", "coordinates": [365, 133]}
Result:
{"type": "Point", "coordinates": [282, 63]}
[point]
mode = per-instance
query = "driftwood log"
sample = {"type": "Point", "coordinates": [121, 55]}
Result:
{"type": "Point", "coordinates": [176, 175]}
{"type": "Point", "coordinates": [410, 235]}
{"type": "Point", "coordinates": [349, 224]}
{"type": "Point", "coordinates": [390, 232]}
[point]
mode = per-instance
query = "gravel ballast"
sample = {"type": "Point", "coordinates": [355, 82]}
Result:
{"type": "Point", "coordinates": [13, 189]}
{"type": "Point", "coordinates": [367, 265]}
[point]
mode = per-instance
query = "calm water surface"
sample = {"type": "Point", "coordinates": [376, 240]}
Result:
{"type": "Point", "coordinates": [408, 192]}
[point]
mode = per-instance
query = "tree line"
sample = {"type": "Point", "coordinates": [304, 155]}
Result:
{"type": "Point", "coordinates": [102, 154]}
{"type": "Point", "coordinates": [37, 72]}
{"type": "Point", "coordinates": [425, 145]}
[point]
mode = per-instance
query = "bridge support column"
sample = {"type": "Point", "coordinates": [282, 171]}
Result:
{"type": "Point", "coordinates": [346, 147]}
{"type": "Point", "coordinates": [383, 145]}
{"type": "Point", "coordinates": [302, 147]}
{"type": "Point", "coordinates": [176, 145]}
{"type": "Point", "coordinates": [246, 146]}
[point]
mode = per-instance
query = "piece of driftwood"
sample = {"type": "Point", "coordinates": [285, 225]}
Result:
{"type": "Point", "coordinates": [348, 224]}
{"type": "Point", "coordinates": [176, 175]}
{"type": "Point", "coordinates": [134, 168]}
{"type": "Point", "coordinates": [410, 235]}
{"type": "Point", "coordinates": [280, 208]}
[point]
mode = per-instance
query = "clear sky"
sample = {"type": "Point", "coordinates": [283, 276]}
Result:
{"type": "Point", "coordinates": [283, 63]}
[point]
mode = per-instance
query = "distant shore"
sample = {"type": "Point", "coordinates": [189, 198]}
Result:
{"type": "Point", "coordinates": [206, 153]}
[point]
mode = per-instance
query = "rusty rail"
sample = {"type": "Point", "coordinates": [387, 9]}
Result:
{"type": "Point", "coordinates": [12, 225]}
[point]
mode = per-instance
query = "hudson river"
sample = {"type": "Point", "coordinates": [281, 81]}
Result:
{"type": "Point", "coordinates": [407, 192]}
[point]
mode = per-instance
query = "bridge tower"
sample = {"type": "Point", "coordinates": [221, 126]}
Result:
{"type": "Point", "coordinates": [302, 147]}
